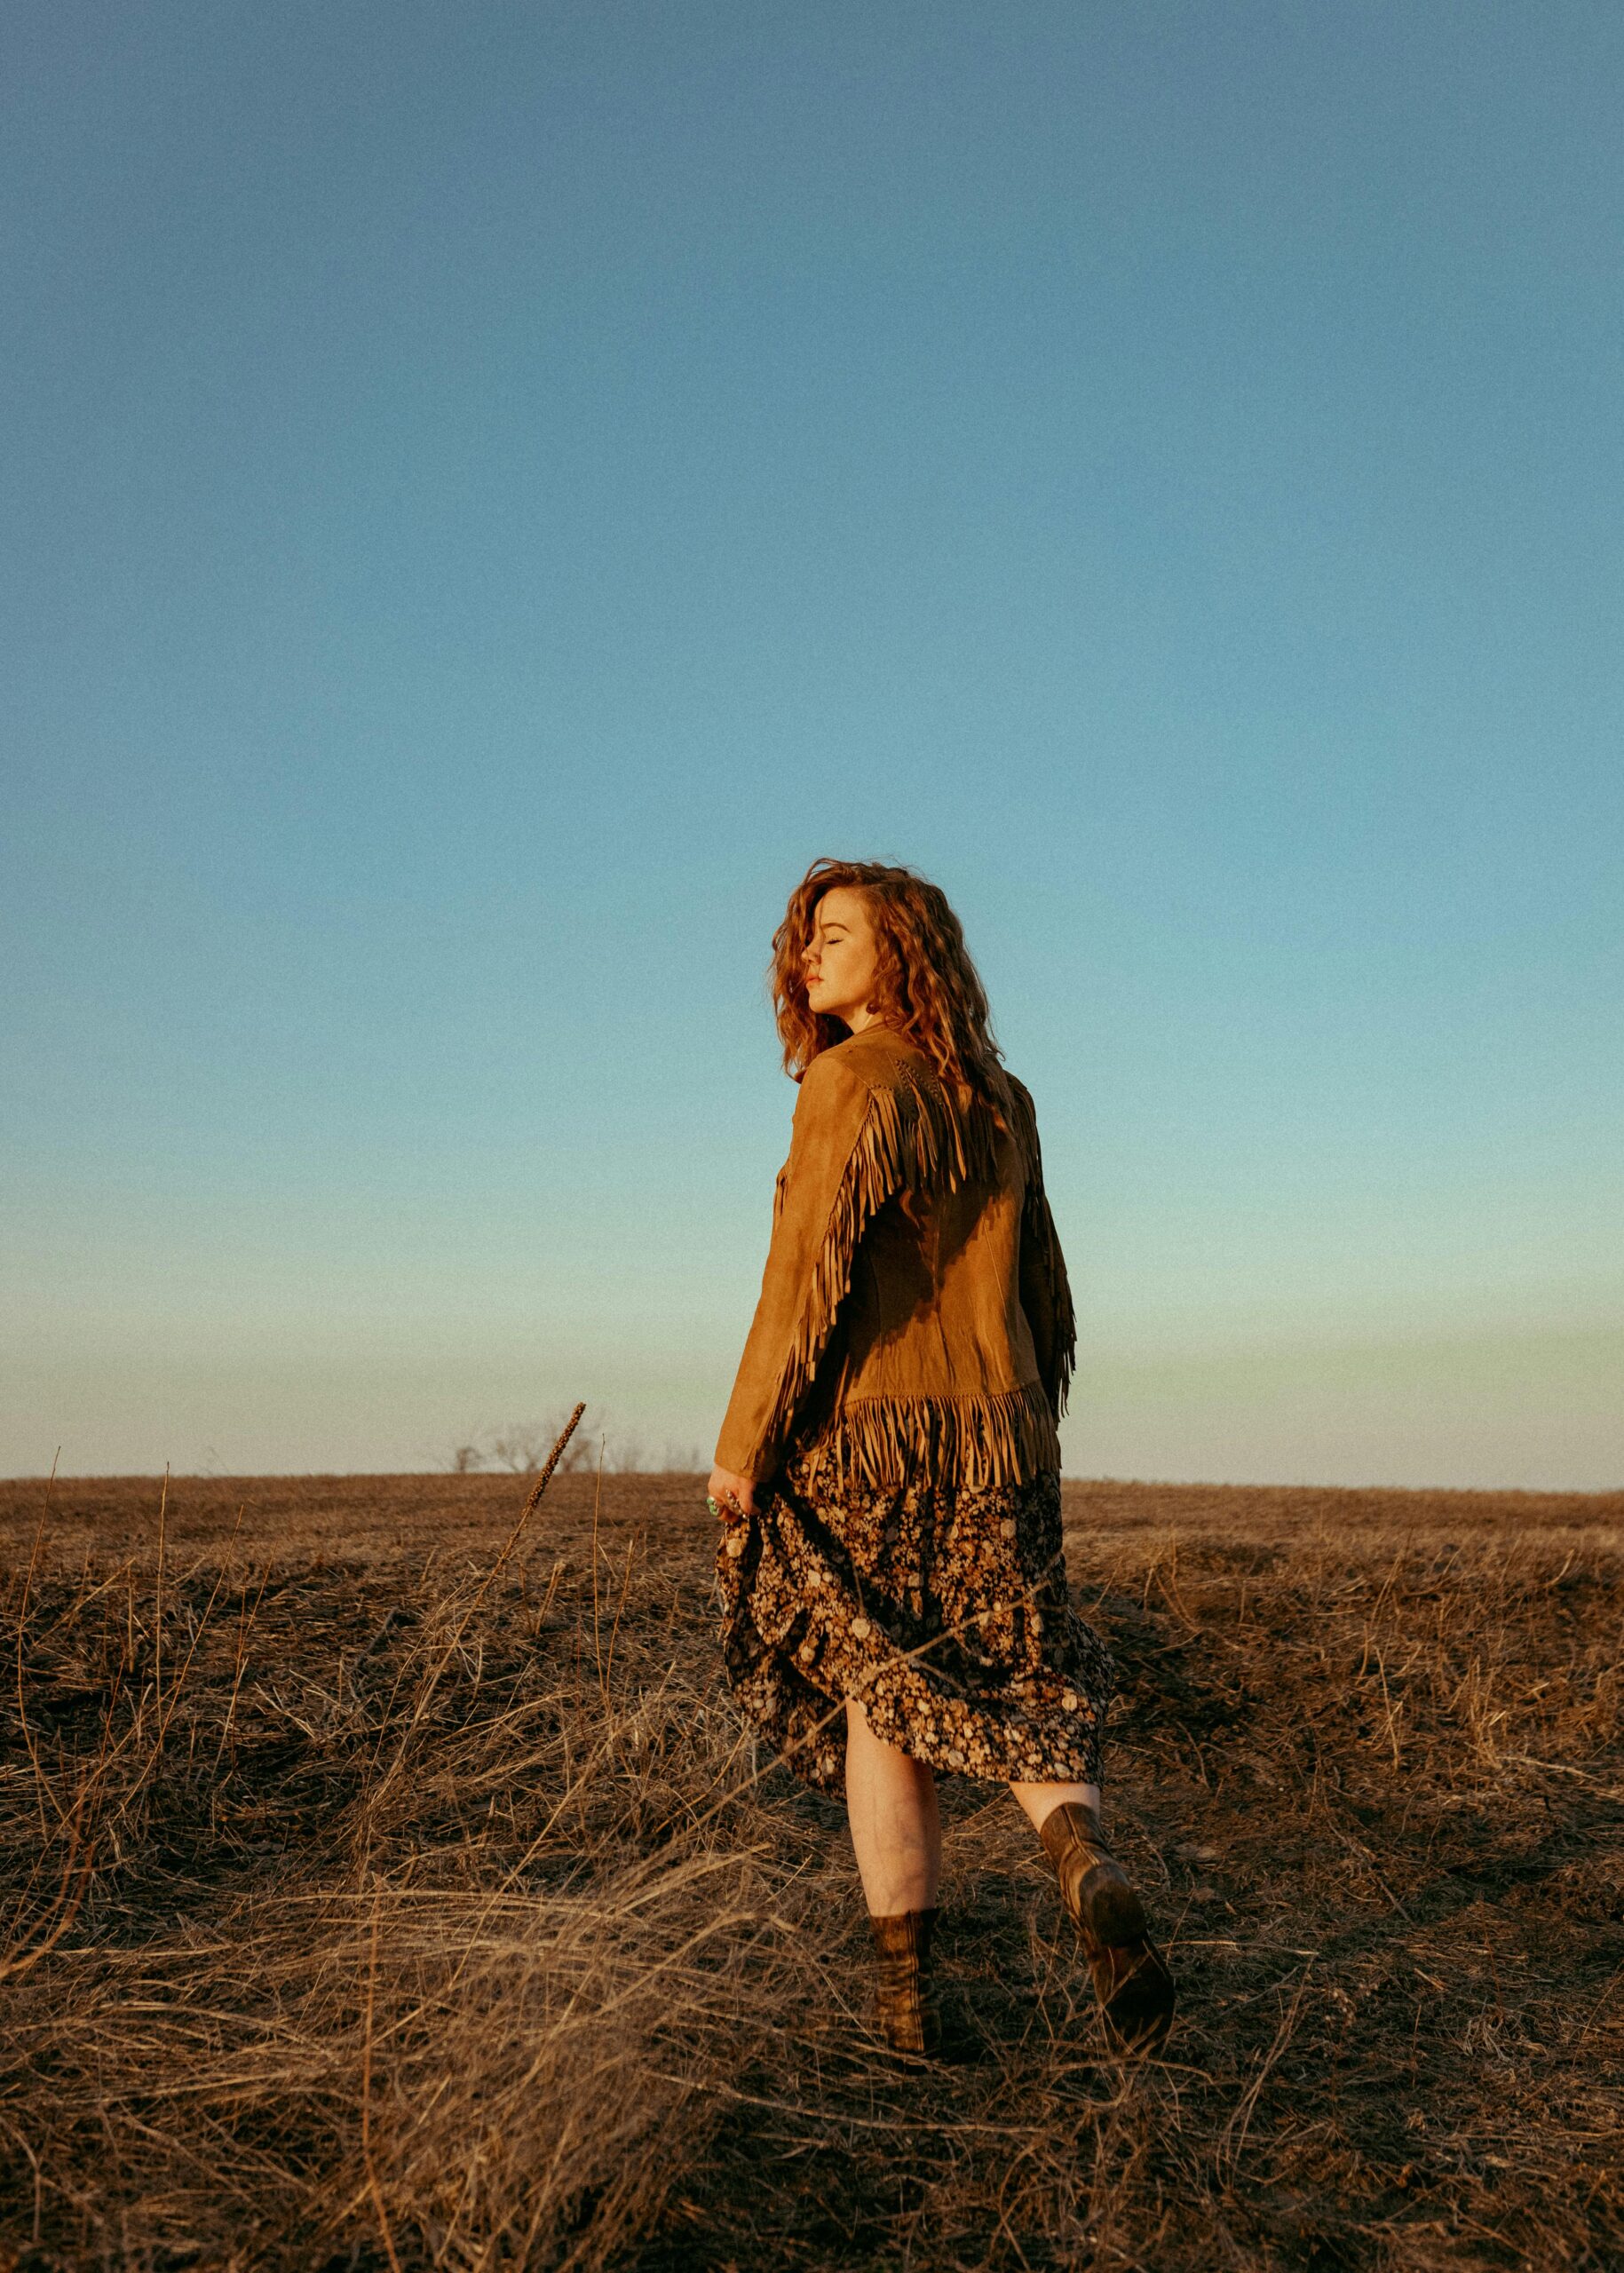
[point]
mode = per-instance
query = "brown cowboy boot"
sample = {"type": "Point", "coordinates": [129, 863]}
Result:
{"type": "Point", "coordinates": [1131, 1980]}
{"type": "Point", "coordinates": [905, 1994]}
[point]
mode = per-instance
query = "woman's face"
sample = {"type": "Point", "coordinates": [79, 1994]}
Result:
{"type": "Point", "coordinates": [840, 959]}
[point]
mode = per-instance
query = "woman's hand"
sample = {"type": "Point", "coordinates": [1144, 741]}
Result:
{"type": "Point", "coordinates": [734, 1495]}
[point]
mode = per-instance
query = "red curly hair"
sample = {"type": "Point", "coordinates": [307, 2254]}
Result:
{"type": "Point", "coordinates": [926, 985]}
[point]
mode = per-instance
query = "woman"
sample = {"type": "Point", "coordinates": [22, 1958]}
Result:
{"type": "Point", "coordinates": [891, 1570]}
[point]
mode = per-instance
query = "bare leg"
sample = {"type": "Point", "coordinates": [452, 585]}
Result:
{"type": "Point", "coordinates": [896, 1830]}
{"type": "Point", "coordinates": [1040, 1800]}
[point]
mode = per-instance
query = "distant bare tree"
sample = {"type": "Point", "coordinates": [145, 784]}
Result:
{"type": "Point", "coordinates": [624, 1455]}
{"type": "Point", "coordinates": [634, 1455]}
{"type": "Point", "coordinates": [523, 1445]}
{"type": "Point", "coordinates": [517, 1448]}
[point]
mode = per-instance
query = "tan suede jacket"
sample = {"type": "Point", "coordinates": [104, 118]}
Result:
{"type": "Point", "coordinates": [914, 1315]}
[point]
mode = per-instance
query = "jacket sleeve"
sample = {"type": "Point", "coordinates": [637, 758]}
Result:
{"type": "Point", "coordinates": [1045, 1291]}
{"type": "Point", "coordinates": [801, 1284]}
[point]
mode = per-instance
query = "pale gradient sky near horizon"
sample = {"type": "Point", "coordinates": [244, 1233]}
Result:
{"type": "Point", "coordinates": [492, 492]}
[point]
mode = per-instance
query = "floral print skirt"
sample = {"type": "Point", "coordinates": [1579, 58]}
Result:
{"type": "Point", "coordinates": [943, 1608]}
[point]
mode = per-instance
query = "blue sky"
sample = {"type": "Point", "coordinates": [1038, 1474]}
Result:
{"type": "Point", "coordinates": [494, 491]}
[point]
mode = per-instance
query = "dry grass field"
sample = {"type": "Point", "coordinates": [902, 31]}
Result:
{"type": "Point", "coordinates": [375, 1901]}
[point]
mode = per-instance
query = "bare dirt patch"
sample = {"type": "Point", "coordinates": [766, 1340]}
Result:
{"type": "Point", "coordinates": [370, 1902]}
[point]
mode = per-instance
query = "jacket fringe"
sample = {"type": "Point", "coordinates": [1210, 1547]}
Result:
{"type": "Point", "coordinates": [911, 1139]}
{"type": "Point", "coordinates": [1002, 1437]}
